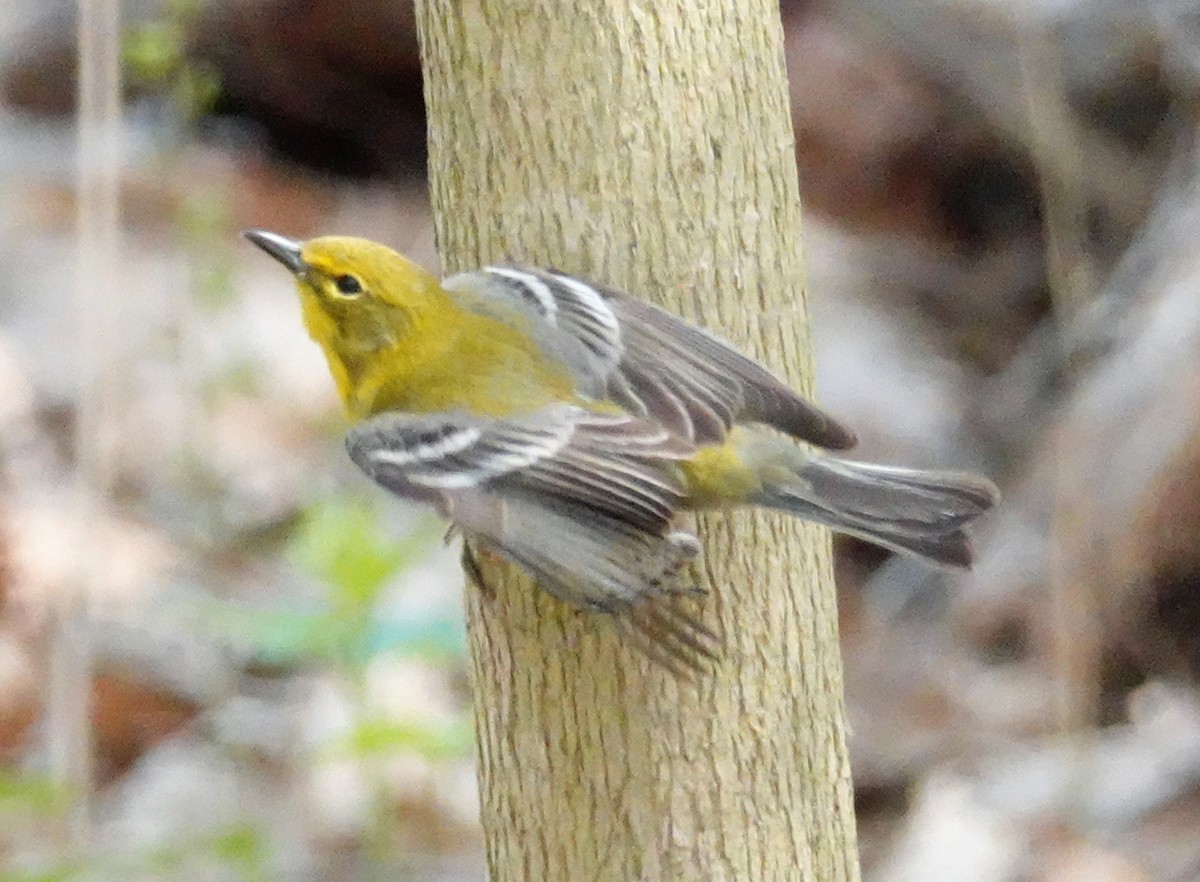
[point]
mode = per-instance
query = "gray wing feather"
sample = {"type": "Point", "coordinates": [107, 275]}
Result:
{"type": "Point", "coordinates": [615, 464]}
{"type": "Point", "coordinates": [713, 364]}
{"type": "Point", "coordinates": [571, 321]}
{"type": "Point", "coordinates": [583, 501]}
{"type": "Point", "coordinates": [647, 360]}
{"type": "Point", "coordinates": [450, 451]}
{"type": "Point", "coordinates": [597, 562]}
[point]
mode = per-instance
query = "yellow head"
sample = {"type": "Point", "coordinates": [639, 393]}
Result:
{"type": "Point", "coordinates": [359, 298]}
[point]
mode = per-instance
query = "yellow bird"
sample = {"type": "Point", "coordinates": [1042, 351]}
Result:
{"type": "Point", "coordinates": [565, 425]}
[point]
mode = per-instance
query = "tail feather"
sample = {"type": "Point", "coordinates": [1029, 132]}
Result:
{"type": "Point", "coordinates": [908, 510]}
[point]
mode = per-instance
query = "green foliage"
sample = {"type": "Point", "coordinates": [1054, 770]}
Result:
{"type": "Point", "coordinates": [153, 52]}
{"type": "Point", "coordinates": [241, 846]}
{"type": "Point", "coordinates": [341, 543]}
{"type": "Point", "coordinates": [36, 799]}
{"type": "Point", "coordinates": [238, 846]}
{"type": "Point", "coordinates": [156, 58]}
{"type": "Point", "coordinates": [61, 873]}
{"type": "Point", "coordinates": [27, 802]}
{"type": "Point", "coordinates": [375, 737]}
{"type": "Point", "coordinates": [282, 637]}
{"type": "Point", "coordinates": [31, 796]}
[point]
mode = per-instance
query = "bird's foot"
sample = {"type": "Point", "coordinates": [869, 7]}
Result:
{"type": "Point", "coordinates": [470, 564]}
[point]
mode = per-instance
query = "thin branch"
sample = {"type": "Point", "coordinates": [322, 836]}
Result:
{"type": "Point", "coordinates": [98, 295]}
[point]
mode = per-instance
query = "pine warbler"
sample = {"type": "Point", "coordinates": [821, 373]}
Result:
{"type": "Point", "coordinates": [564, 425]}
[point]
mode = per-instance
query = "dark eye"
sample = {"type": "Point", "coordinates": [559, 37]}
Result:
{"type": "Point", "coordinates": [348, 285]}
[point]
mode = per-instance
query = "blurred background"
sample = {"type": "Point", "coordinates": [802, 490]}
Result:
{"type": "Point", "coordinates": [1003, 240]}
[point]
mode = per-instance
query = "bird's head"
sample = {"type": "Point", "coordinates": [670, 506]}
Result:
{"type": "Point", "coordinates": [360, 286]}
{"type": "Point", "coordinates": [358, 297]}
{"type": "Point", "coordinates": [354, 291]}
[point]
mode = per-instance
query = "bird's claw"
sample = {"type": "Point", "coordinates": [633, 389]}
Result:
{"type": "Point", "coordinates": [470, 564]}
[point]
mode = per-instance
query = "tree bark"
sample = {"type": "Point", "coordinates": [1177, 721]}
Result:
{"type": "Point", "coordinates": [647, 145]}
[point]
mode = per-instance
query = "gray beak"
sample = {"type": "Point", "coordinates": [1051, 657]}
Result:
{"type": "Point", "coordinates": [283, 249]}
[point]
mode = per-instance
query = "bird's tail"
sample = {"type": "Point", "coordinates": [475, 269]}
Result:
{"type": "Point", "coordinates": [918, 512]}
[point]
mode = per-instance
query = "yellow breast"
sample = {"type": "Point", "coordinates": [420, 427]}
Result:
{"type": "Point", "coordinates": [474, 364]}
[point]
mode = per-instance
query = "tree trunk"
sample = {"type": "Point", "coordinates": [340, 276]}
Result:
{"type": "Point", "coordinates": [647, 145]}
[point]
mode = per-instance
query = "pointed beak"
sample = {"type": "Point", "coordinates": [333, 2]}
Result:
{"type": "Point", "coordinates": [283, 249]}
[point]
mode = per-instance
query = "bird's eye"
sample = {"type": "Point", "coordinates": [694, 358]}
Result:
{"type": "Point", "coordinates": [348, 285]}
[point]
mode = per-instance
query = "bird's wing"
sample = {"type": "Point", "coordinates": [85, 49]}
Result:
{"type": "Point", "coordinates": [649, 361]}
{"type": "Point", "coordinates": [583, 501]}
{"type": "Point", "coordinates": [614, 464]}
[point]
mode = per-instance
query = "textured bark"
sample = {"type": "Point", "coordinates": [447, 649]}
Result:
{"type": "Point", "coordinates": [647, 145]}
